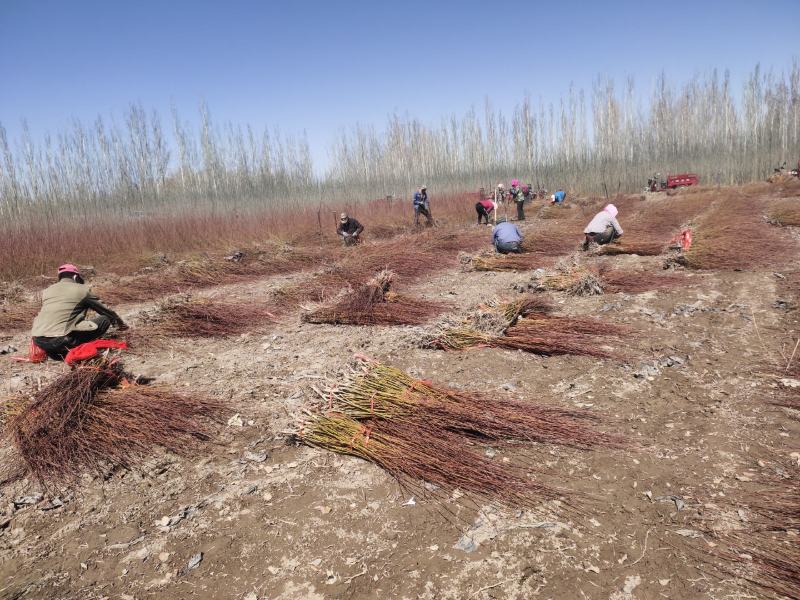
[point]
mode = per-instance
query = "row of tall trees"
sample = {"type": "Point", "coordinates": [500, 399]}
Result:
{"type": "Point", "coordinates": [611, 138]}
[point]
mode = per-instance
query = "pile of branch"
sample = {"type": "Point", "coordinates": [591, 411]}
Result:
{"type": "Point", "coordinates": [90, 420]}
{"type": "Point", "coordinates": [204, 271]}
{"type": "Point", "coordinates": [17, 316]}
{"type": "Point", "coordinates": [636, 282]}
{"type": "Point", "coordinates": [534, 330]}
{"type": "Point", "coordinates": [375, 304]}
{"type": "Point", "coordinates": [422, 432]}
{"type": "Point", "coordinates": [505, 262]}
{"type": "Point", "coordinates": [626, 247]}
{"type": "Point", "coordinates": [408, 256]}
{"type": "Point", "coordinates": [734, 235]}
{"type": "Point", "coordinates": [784, 213]}
{"type": "Point", "coordinates": [185, 316]}
{"type": "Point", "coordinates": [570, 276]}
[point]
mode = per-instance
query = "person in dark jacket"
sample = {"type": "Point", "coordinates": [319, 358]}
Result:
{"type": "Point", "coordinates": [422, 206]}
{"type": "Point", "coordinates": [484, 208]}
{"type": "Point", "coordinates": [507, 238]}
{"type": "Point", "coordinates": [350, 230]}
{"type": "Point", "coordinates": [62, 324]}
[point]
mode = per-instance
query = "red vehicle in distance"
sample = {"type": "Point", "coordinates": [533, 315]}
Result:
{"type": "Point", "coordinates": [656, 184]}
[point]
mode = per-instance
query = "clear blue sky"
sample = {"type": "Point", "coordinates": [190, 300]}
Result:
{"type": "Point", "coordinates": [324, 65]}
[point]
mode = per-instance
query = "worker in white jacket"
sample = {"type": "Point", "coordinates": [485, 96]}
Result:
{"type": "Point", "coordinates": [603, 228]}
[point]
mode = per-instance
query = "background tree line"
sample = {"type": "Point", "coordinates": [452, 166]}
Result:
{"type": "Point", "coordinates": [612, 138]}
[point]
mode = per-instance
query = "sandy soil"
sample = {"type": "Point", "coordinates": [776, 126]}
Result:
{"type": "Point", "coordinates": [278, 521]}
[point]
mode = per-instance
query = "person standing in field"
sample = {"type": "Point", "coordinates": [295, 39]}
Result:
{"type": "Point", "coordinates": [506, 237]}
{"type": "Point", "coordinates": [422, 205]}
{"type": "Point", "coordinates": [484, 208]}
{"type": "Point", "coordinates": [62, 324]}
{"type": "Point", "coordinates": [518, 198]}
{"type": "Point", "coordinates": [350, 230]}
{"type": "Point", "coordinates": [603, 228]}
{"type": "Point", "coordinates": [499, 194]}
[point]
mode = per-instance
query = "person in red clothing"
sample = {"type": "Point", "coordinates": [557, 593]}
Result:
{"type": "Point", "coordinates": [484, 208]}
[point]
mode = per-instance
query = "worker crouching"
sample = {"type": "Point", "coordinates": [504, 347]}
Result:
{"type": "Point", "coordinates": [62, 324]}
{"type": "Point", "coordinates": [603, 228]}
{"type": "Point", "coordinates": [506, 238]}
{"type": "Point", "coordinates": [349, 229]}
{"type": "Point", "coordinates": [484, 208]}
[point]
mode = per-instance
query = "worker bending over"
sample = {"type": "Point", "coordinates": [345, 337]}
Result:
{"type": "Point", "coordinates": [484, 208]}
{"type": "Point", "coordinates": [349, 229]}
{"type": "Point", "coordinates": [603, 228]}
{"type": "Point", "coordinates": [422, 205]}
{"type": "Point", "coordinates": [506, 237]}
{"type": "Point", "coordinates": [62, 324]}
{"type": "Point", "coordinates": [559, 197]}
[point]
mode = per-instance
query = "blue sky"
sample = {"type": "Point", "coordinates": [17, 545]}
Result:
{"type": "Point", "coordinates": [321, 66]}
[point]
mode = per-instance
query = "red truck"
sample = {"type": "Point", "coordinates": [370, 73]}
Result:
{"type": "Point", "coordinates": [656, 184]}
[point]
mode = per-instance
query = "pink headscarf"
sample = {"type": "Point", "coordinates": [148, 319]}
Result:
{"type": "Point", "coordinates": [515, 182]}
{"type": "Point", "coordinates": [611, 209]}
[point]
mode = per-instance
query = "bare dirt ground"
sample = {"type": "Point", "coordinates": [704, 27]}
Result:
{"type": "Point", "coordinates": [279, 521]}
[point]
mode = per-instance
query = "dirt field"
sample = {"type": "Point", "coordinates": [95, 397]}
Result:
{"type": "Point", "coordinates": [272, 520]}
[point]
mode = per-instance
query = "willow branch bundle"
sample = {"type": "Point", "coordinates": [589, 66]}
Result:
{"type": "Point", "coordinates": [578, 281]}
{"type": "Point", "coordinates": [17, 316]}
{"type": "Point", "coordinates": [506, 262]}
{"type": "Point", "coordinates": [380, 392]}
{"type": "Point", "coordinates": [637, 248]}
{"type": "Point", "coordinates": [784, 213]}
{"type": "Point", "coordinates": [201, 317]}
{"type": "Point", "coordinates": [635, 282]}
{"type": "Point", "coordinates": [413, 456]}
{"type": "Point", "coordinates": [80, 423]}
{"type": "Point", "coordinates": [201, 272]}
{"type": "Point", "coordinates": [734, 235]}
{"type": "Point", "coordinates": [374, 304]}
{"type": "Point", "coordinates": [548, 335]}
{"type": "Point", "coordinates": [769, 561]}
{"type": "Point", "coordinates": [408, 256]}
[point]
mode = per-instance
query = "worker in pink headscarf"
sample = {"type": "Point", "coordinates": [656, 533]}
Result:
{"type": "Point", "coordinates": [603, 228]}
{"type": "Point", "coordinates": [62, 322]}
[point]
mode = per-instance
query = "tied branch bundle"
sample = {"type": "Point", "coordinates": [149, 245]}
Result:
{"type": "Point", "coordinates": [375, 304]}
{"type": "Point", "coordinates": [528, 325]}
{"type": "Point", "coordinates": [421, 431]}
{"type": "Point", "coordinates": [91, 419]}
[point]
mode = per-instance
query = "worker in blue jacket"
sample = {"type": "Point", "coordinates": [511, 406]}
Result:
{"type": "Point", "coordinates": [422, 205]}
{"type": "Point", "coordinates": [559, 197]}
{"type": "Point", "coordinates": [506, 237]}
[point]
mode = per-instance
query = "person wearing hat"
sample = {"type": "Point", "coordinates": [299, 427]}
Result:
{"type": "Point", "coordinates": [422, 205]}
{"type": "Point", "coordinates": [349, 228]}
{"type": "Point", "coordinates": [603, 228]}
{"type": "Point", "coordinates": [506, 237]}
{"type": "Point", "coordinates": [62, 324]}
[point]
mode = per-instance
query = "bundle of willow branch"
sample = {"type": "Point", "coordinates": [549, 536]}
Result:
{"type": "Point", "coordinates": [768, 561]}
{"type": "Point", "coordinates": [88, 420]}
{"type": "Point", "coordinates": [547, 335]}
{"type": "Point", "coordinates": [203, 317]}
{"type": "Point", "coordinates": [414, 457]}
{"type": "Point", "coordinates": [421, 432]}
{"type": "Point", "coordinates": [506, 262]}
{"type": "Point", "coordinates": [638, 248]}
{"type": "Point", "coordinates": [634, 282]}
{"type": "Point", "coordinates": [374, 304]}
